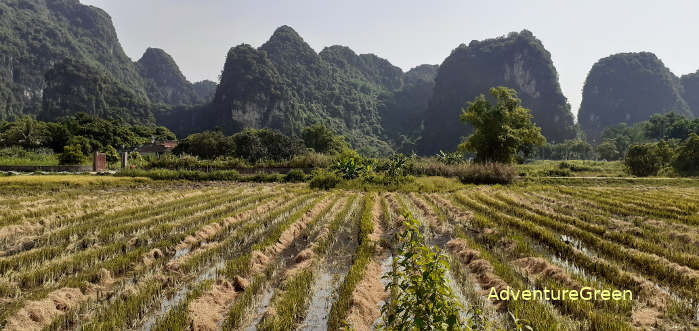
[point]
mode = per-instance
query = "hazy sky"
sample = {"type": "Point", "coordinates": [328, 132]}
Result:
{"type": "Point", "coordinates": [198, 33]}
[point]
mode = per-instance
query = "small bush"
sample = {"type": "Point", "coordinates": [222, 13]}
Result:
{"type": "Point", "coordinates": [686, 161]}
{"type": "Point", "coordinates": [421, 296]}
{"type": "Point", "coordinates": [295, 176]}
{"type": "Point", "coordinates": [643, 160]}
{"type": "Point", "coordinates": [324, 180]}
{"type": "Point", "coordinates": [72, 154]}
{"type": "Point", "coordinates": [488, 173]}
{"type": "Point", "coordinates": [349, 168]}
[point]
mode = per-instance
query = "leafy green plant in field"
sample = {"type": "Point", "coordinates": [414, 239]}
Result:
{"type": "Point", "coordinates": [422, 298]}
{"type": "Point", "coordinates": [349, 168]}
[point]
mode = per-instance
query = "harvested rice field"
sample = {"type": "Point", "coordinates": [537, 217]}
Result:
{"type": "Point", "coordinates": [144, 255]}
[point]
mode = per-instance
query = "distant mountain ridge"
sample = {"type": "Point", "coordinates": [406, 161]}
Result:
{"type": "Point", "coordinates": [284, 84]}
{"type": "Point", "coordinates": [59, 57]}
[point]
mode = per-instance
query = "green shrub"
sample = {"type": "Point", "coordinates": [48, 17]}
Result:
{"type": "Point", "coordinates": [294, 176]}
{"type": "Point", "coordinates": [324, 180]}
{"type": "Point", "coordinates": [72, 154]}
{"type": "Point", "coordinates": [111, 154]}
{"type": "Point", "coordinates": [488, 173]}
{"type": "Point", "coordinates": [686, 161]}
{"type": "Point", "coordinates": [643, 160]}
{"type": "Point", "coordinates": [349, 168]}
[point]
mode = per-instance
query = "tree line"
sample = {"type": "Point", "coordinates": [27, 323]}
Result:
{"type": "Point", "coordinates": [79, 135]}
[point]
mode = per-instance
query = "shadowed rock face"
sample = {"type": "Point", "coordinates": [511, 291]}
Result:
{"type": "Point", "coordinates": [518, 61]}
{"type": "Point", "coordinates": [629, 88]}
{"type": "Point", "coordinates": [205, 90]}
{"type": "Point", "coordinates": [690, 83]}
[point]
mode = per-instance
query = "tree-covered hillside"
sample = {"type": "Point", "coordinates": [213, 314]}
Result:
{"type": "Point", "coordinates": [36, 34]}
{"type": "Point", "coordinates": [690, 83]}
{"type": "Point", "coordinates": [164, 81]}
{"type": "Point", "coordinates": [628, 88]}
{"type": "Point", "coordinates": [75, 87]}
{"type": "Point", "coordinates": [286, 85]}
{"type": "Point", "coordinates": [518, 61]}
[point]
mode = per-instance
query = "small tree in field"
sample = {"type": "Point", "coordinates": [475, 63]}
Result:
{"type": "Point", "coordinates": [72, 154]}
{"type": "Point", "coordinates": [643, 160]}
{"type": "Point", "coordinates": [501, 130]}
{"type": "Point", "coordinates": [111, 153]}
{"type": "Point", "coordinates": [686, 161]}
{"type": "Point", "coordinates": [421, 297]}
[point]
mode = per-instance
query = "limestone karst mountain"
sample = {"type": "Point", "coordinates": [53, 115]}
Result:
{"type": "Point", "coordinates": [628, 88]}
{"type": "Point", "coordinates": [517, 61]}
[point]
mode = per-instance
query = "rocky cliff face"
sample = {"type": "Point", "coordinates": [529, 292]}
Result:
{"type": "Point", "coordinates": [629, 88]}
{"type": "Point", "coordinates": [518, 61]}
{"type": "Point", "coordinates": [37, 34]}
{"type": "Point", "coordinates": [690, 84]}
{"type": "Point", "coordinates": [164, 81]}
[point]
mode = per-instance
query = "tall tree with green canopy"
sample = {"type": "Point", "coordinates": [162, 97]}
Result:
{"type": "Point", "coordinates": [501, 130]}
{"type": "Point", "coordinates": [322, 139]}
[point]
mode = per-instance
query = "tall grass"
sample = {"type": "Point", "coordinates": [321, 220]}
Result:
{"type": "Point", "coordinates": [18, 156]}
{"type": "Point", "coordinates": [468, 173]}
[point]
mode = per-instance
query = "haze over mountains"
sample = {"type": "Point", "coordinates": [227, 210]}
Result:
{"type": "Point", "coordinates": [59, 57]}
